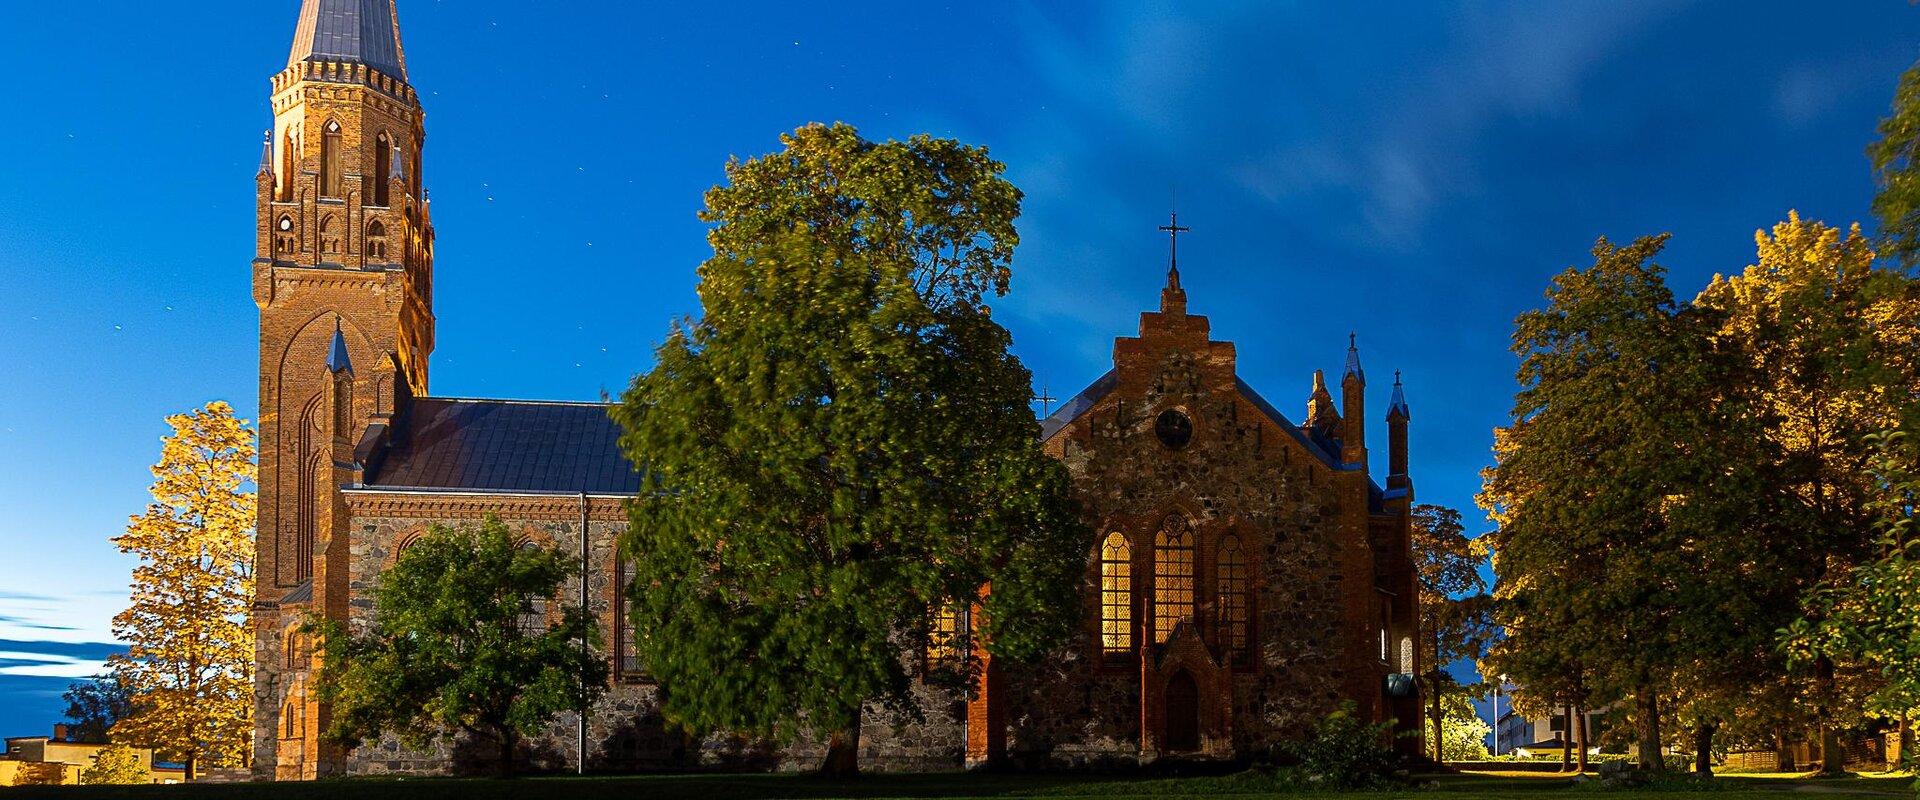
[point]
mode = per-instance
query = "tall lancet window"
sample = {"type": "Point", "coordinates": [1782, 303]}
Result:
{"type": "Point", "coordinates": [1116, 596]}
{"type": "Point", "coordinates": [289, 158]}
{"type": "Point", "coordinates": [1231, 574]}
{"type": "Point", "coordinates": [1172, 576]}
{"type": "Point", "coordinates": [330, 178]}
{"type": "Point", "coordinates": [382, 169]}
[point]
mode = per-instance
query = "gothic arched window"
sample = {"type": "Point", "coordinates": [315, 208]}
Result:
{"type": "Point", "coordinates": [376, 240]}
{"type": "Point", "coordinates": [944, 636]}
{"type": "Point", "coordinates": [330, 178]}
{"type": "Point", "coordinates": [1172, 576]}
{"type": "Point", "coordinates": [1116, 595]}
{"type": "Point", "coordinates": [382, 166]}
{"type": "Point", "coordinates": [288, 159]}
{"type": "Point", "coordinates": [534, 615]}
{"type": "Point", "coordinates": [1231, 577]}
{"type": "Point", "coordinates": [1406, 654]}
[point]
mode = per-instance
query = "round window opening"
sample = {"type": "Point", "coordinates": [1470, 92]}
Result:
{"type": "Point", "coordinates": [1173, 428]}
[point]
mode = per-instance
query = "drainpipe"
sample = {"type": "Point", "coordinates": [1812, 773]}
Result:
{"type": "Point", "coordinates": [581, 732]}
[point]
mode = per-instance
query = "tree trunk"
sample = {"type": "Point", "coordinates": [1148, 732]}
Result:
{"type": "Point", "coordinates": [1905, 742]}
{"type": "Point", "coordinates": [508, 744]}
{"type": "Point", "coordinates": [843, 752]}
{"type": "Point", "coordinates": [1566, 738]}
{"type": "Point", "coordinates": [1703, 748]}
{"type": "Point", "coordinates": [1650, 758]}
{"type": "Point", "coordinates": [1580, 719]}
{"type": "Point", "coordinates": [1782, 752]}
{"type": "Point", "coordinates": [191, 768]}
{"type": "Point", "coordinates": [1439, 723]}
{"type": "Point", "coordinates": [1833, 759]}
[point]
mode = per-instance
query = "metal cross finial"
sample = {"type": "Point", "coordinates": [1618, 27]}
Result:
{"type": "Point", "coordinates": [1174, 229]}
{"type": "Point", "coordinates": [1046, 402]}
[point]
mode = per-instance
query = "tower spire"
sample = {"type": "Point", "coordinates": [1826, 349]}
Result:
{"type": "Point", "coordinates": [266, 153]}
{"type": "Point", "coordinates": [350, 31]}
{"type": "Point", "coordinates": [1353, 358]}
{"type": "Point", "coordinates": [337, 359]}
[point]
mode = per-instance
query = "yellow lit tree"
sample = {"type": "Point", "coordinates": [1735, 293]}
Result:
{"type": "Point", "coordinates": [189, 666]}
{"type": "Point", "coordinates": [1831, 338]}
{"type": "Point", "coordinates": [116, 765]}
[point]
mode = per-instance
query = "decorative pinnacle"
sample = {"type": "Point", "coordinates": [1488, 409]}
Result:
{"type": "Point", "coordinates": [337, 359]}
{"type": "Point", "coordinates": [1397, 406]}
{"type": "Point", "coordinates": [266, 152]}
{"type": "Point", "coordinates": [1353, 358]}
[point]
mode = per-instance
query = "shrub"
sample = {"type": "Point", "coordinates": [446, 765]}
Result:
{"type": "Point", "coordinates": [1347, 752]}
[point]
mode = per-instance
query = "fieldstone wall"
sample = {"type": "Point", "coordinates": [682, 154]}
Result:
{"type": "Point", "coordinates": [626, 731]}
{"type": "Point", "coordinates": [1231, 468]}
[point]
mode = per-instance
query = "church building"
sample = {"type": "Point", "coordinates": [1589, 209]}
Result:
{"type": "Point", "coordinates": [1246, 575]}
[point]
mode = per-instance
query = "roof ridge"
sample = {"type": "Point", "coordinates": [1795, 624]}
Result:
{"type": "Point", "coordinates": [519, 401]}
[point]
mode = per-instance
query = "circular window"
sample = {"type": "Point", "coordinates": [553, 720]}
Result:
{"type": "Point", "coordinates": [1173, 428]}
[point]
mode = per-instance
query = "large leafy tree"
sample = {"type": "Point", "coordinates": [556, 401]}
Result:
{"type": "Point", "coordinates": [116, 765]}
{"type": "Point", "coordinates": [1615, 490]}
{"type": "Point", "coordinates": [189, 662]}
{"type": "Point", "coordinates": [1454, 608]}
{"type": "Point", "coordinates": [1825, 337]}
{"type": "Point", "coordinates": [841, 446]}
{"type": "Point", "coordinates": [467, 638]}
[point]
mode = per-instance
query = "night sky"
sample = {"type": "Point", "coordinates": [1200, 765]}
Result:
{"type": "Point", "coordinates": [1412, 174]}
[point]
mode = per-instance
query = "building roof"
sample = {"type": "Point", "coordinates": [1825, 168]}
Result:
{"type": "Point", "coordinates": [504, 446]}
{"type": "Point", "coordinates": [354, 31]}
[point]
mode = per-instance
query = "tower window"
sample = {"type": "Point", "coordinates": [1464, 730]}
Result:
{"type": "Point", "coordinates": [287, 162]}
{"type": "Point", "coordinates": [382, 167]}
{"type": "Point", "coordinates": [1172, 577]}
{"type": "Point", "coordinates": [283, 235]}
{"type": "Point", "coordinates": [1232, 577]}
{"type": "Point", "coordinates": [330, 178]}
{"type": "Point", "coordinates": [1116, 596]}
{"type": "Point", "coordinates": [377, 240]}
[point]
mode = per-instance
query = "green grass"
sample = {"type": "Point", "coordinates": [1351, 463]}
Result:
{"type": "Point", "coordinates": [1493, 786]}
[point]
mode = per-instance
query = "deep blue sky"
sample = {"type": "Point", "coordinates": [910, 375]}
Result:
{"type": "Point", "coordinates": [1412, 173]}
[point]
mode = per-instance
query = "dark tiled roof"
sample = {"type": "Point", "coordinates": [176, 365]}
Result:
{"type": "Point", "coordinates": [355, 31]}
{"type": "Point", "coordinates": [299, 594]}
{"type": "Point", "coordinates": [1072, 409]}
{"type": "Point", "coordinates": [506, 446]}
{"type": "Point", "coordinates": [1317, 448]}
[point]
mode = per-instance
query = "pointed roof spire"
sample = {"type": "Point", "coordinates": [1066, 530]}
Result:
{"type": "Point", "coordinates": [354, 31]}
{"type": "Point", "coordinates": [266, 153]}
{"type": "Point", "coordinates": [1353, 358]}
{"type": "Point", "coordinates": [1320, 410]}
{"type": "Point", "coordinates": [1397, 407]}
{"type": "Point", "coordinates": [337, 359]}
{"type": "Point", "coordinates": [1174, 229]}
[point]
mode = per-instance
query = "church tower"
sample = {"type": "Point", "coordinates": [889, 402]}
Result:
{"type": "Point", "coordinates": [342, 274]}
{"type": "Point", "coordinates": [344, 237]}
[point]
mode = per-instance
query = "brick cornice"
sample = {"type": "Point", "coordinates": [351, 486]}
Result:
{"type": "Point", "coordinates": [362, 503]}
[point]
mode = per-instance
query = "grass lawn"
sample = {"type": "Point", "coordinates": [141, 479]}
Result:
{"type": "Point", "coordinates": [1494, 786]}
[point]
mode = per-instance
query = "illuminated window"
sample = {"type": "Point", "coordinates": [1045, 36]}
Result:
{"type": "Point", "coordinates": [1116, 595]}
{"type": "Point", "coordinates": [1406, 655]}
{"type": "Point", "coordinates": [1232, 577]}
{"type": "Point", "coordinates": [287, 161]}
{"type": "Point", "coordinates": [1172, 577]}
{"type": "Point", "coordinates": [944, 636]}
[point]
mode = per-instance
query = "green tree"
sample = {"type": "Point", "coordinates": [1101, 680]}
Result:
{"type": "Point", "coordinates": [1618, 499]}
{"type": "Point", "coordinates": [116, 764]}
{"type": "Point", "coordinates": [1873, 615]}
{"type": "Point", "coordinates": [1898, 172]}
{"type": "Point", "coordinates": [841, 446]}
{"type": "Point", "coordinates": [1463, 734]}
{"type": "Point", "coordinates": [1454, 607]}
{"type": "Point", "coordinates": [466, 638]}
{"type": "Point", "coordinates": [189, 659]}
{"type": "Point", "coordinates": [94, 705]}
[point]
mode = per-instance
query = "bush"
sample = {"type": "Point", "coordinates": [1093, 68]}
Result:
{"type": "Point", "coordinates": [1346, 752]}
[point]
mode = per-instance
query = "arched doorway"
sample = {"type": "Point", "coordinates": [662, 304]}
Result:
{"type": "Point", "coordinates": [1183, 713]}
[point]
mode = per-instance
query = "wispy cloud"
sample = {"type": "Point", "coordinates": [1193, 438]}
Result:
{"type": "Point", "coordinates": [43, 659]}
